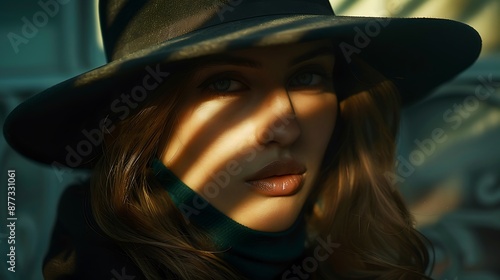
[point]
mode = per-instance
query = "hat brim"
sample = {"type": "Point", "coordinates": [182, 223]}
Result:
{"type": "Point", "coordinates": [418, 54]}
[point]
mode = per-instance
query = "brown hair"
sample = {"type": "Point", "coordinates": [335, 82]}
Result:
{"type": "Point", "coordinates": [355, 206]}
{"type": "Point", "coordinates": [135, 211]}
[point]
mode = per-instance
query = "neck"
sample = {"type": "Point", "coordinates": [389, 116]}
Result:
{"type": "Point", "coordinates": [256, 254]}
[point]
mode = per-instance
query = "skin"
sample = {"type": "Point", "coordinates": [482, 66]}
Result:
{"type": "Point", "coordinates": [243, 116]}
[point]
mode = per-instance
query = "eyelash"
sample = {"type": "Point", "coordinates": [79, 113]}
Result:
{"type": "Point", "coordinates": [230, 76]}
{"type": "Point", "coordinates": [322, 75]}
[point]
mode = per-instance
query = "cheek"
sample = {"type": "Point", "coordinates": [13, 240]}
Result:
{"type": "Point", "coordinates": [317, 115]}
{"type": "Point", "coordinates": [207, 137]}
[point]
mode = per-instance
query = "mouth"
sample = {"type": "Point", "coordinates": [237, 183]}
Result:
{"type": "Point", "coordinates": [279, 178]}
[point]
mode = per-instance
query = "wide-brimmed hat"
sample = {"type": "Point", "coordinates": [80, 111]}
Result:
{"type": "Point", "coordinates": [144, 40]}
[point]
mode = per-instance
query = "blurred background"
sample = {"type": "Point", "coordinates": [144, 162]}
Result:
{"type": "Point", "coordinates": [452, 185]}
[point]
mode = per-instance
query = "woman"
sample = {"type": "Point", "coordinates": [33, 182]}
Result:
{"type": "Point", "coordinates": [241, 140]}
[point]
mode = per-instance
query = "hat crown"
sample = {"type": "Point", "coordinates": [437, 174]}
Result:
{"type": "Point", "coordinates": [131, 25]}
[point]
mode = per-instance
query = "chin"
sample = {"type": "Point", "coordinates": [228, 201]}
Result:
{"type": "Point", "coordinates": [275, 214]}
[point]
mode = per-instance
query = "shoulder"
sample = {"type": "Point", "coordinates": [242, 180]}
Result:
{"type": "Point", "coordinates": [78, 248]}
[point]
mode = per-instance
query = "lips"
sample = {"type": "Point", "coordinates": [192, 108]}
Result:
{"type": "Point", "coordinates": [278, 178]}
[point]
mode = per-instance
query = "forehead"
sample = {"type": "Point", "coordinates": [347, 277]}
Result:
{"type": "Point", "coordinates": [254, 57]}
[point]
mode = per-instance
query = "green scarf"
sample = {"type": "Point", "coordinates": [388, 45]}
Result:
{"type": "Point", "coordinates": [255, 254]}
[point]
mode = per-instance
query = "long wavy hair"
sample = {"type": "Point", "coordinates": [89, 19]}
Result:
{"type": "Point", "coordinates": [354, 205]}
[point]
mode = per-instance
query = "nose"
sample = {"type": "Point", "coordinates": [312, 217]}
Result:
{"type": "Point", "coordinates": [279, 123]}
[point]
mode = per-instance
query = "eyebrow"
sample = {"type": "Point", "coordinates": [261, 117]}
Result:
{"type": "Point", "coordinates": [312, 54]}
{"type": "Point", "coordinates": [225, 59]}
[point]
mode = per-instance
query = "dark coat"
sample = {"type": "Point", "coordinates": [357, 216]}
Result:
{"type": "Point", "coordinates": [79, 249]}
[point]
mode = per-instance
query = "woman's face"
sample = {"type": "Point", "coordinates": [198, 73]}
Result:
{"type": "Point", "coordinates": [252, 136]}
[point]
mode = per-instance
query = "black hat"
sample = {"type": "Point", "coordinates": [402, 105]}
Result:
{"type": "Point", "coordinates": [143, 39]}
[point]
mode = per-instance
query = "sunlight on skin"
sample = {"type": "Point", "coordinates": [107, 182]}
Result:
{"type": "Point", "coordinates": [257, 123]}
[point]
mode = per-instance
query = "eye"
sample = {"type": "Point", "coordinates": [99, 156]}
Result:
{"type": "Point", "coordinates": [306, 79]}
{"type": "Point", "coordinates": [225, 85]}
